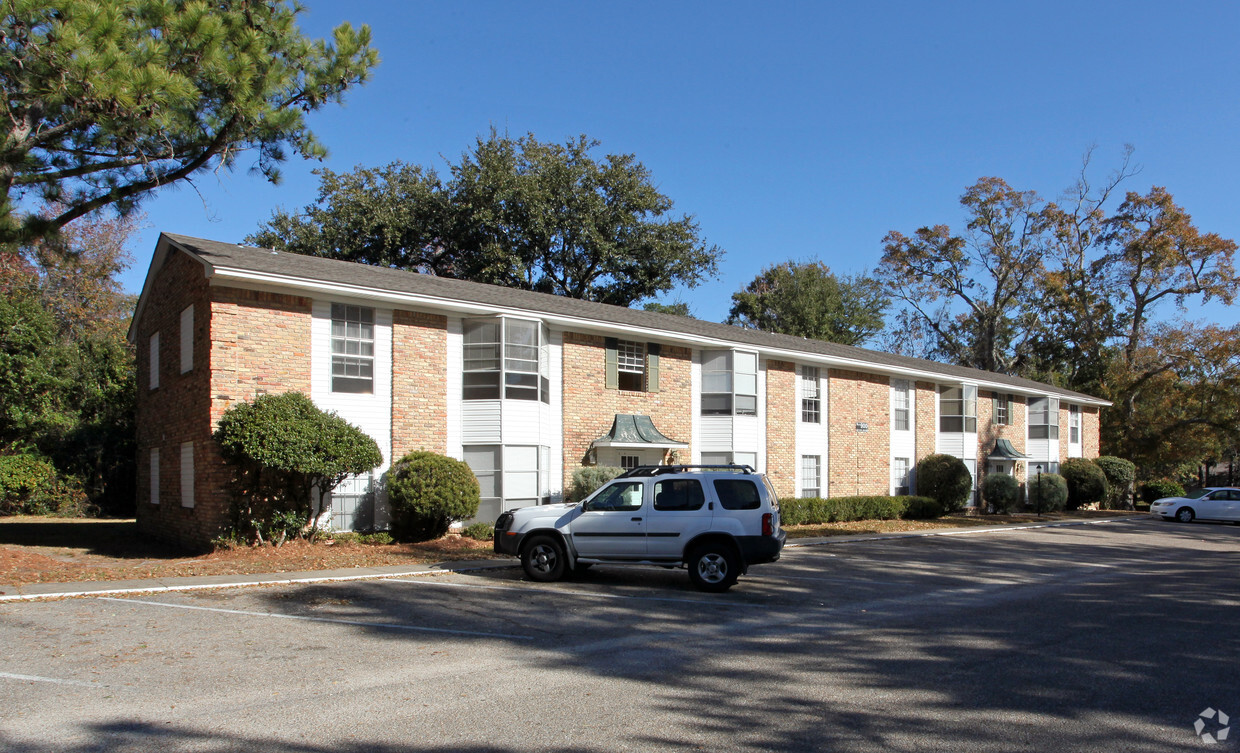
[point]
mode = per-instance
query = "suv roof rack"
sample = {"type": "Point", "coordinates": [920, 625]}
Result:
{"type": "Point", "coordinates": [659, 470]}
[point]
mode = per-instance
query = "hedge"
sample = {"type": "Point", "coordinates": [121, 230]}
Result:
{"type": "Point", "coordinates": [1153, 490]}
{"type": "Point", "coordinates": [1087, 483]}
{"type": "Point", "coordinates": [815, 510]}
{"type": "Point", "coordinates": [1120, 474]}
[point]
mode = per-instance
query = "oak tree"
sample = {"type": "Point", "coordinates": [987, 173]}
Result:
{"type": "Point", "coordinates": [807, 299]}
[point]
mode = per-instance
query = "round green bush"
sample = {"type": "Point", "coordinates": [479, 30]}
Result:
{"type": "Point", "coordinates": [1087, 483]}
{"type": "Point", "coordinates": [1001, 491]}
{"type": "Point", "coordinates": [589, 478]}
{"type": "Point", "coordinates": [1154, 490]}
{"type": "Point", "coordinates": [427, 492]}
{"type": "Point", "coordinates": [480, 531]}
{"type": "Point", "coordinates": [1048, 492]}
{"type": "Point", "coordinates": [945, 479]}
{"type": "Point", "coordinates": [1120, 474]}
{"type": "Point", "coordinates": [922, 508]}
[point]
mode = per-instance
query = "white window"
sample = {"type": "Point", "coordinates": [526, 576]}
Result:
{"type": "Point", "coordinates": [187, 474]}
{"type": "Point", "coordinates": [353, 349]}
{"type": "Point", "coordinates": [1044, 418]}
{"type": "Point", "coordinates": [187, 339]}
{"type": "Point", "coordinates": [1074, 424]}
{"type": "Point", "coordinates": [155, 475]}
{"type": "Point", "coordinates": [629, 462]}
{"type": "Point", "coordinates": [811, 396]}
{"type": "Point", "coordinates": [154, 358]}
{"type": "Point", "coordinates": [631, 365]}
{"type": "Point", "coordinates": [900, 405]}
{"type": "Point", "coordinates": [729, 383]}
{"type": "Point", "coordinates": [811, 475]}
{"type": "Point", "coordinates": [1003, 409]}
{"type": "Point", "coordinates": [958, 409]}
{"type": "Point", "coordinates": [509, 476]}
{"type": "Point", "coordinates": [899, 476]}
{"type": "Point", "coordinates": [523, 370]}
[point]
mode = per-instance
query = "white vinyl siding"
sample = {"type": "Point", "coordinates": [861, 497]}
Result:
{"type": "Point", "coordinates": [153, 375]}
{"type": "Point", "coordinates": [187, 339]}
{"type": "Point", "coordinates": [187, 474]}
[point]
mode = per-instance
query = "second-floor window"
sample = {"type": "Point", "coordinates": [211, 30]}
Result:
{"type": "Point", "coordinates": [729, 383]}
{"type": "Point", "coordinates": [1002, 409]}
{"type": "Point", "coordinates": [508, 357]}
{"type": "Point", "coordinates": [631, 365]}
{"type": "Point", "coordinates": [1074, 424]}
{"type": "Point", "coordinates": [353, 348]}
{"type": "Point", "coordinates": [1044, 418]}
{"type": "Point", "coordinates": [811, 396]}
{"type": "Point", "coordinates": [958, 409]}
{"type": "Point", "coordinates": [900, 420]}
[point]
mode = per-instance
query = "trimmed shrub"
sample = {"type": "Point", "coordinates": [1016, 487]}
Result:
{"type": "Point", "coordinates": [427, 492]}
{"type": "Point", "coordinates": [945, 479]}
{"type": "Point", "coordinates": [589, 478]}
{"type": "Point", "coordinates": [1087, 483]}
{"type": "Point", "coordinates": [479, 531]}
{"type": "Point", "coordinates": [1048, 492]}
{"type": "Point", "coordinates": [282, 446]}
{"type": "Point", "coordinates": [1154, 490]}
{"type": "Point", "coordinates": [1001, 491]}
{"type": "Point", "coordinates": [922, 508]}
{"type": "Point", "coordinates": [1120, 474]}
{"type": "Point", "coordinates": [816, 510]}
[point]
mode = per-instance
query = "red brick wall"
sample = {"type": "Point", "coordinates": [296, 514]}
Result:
{"type": "Point", "coordinates": [246, 343]}
{"type": "Point", "coordinates": [860, 461]}
{"type": "Point", "coordinates": [1063, 431]}
{"type": "Point", "coordinates": [419, 383]}
{"type": "Point", "coordinates": [988, 432]}
{"type": "Point", "coordinates": [925, 401]}
{"type": "Point", "coordinates": [1090, 431]}
{"type": "Point", "coordinates": [589, 407]}
{"type": "Point", "coordinates": [781, 426]}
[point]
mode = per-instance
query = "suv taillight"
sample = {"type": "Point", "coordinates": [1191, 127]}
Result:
{"type": "Point", "coordinates": [768, 527]}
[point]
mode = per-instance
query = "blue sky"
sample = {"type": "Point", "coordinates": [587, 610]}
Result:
{"type": "Point", "coordinates": [789, 130]}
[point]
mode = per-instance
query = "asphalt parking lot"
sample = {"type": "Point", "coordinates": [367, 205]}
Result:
{"type": "Point", "coordinates": [1109, 637]}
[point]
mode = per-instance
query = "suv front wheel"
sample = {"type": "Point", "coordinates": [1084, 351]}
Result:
{"type": "Point", "coordinates": [714, 567]}
{"type": "Point", "coordinates": [543, 559]}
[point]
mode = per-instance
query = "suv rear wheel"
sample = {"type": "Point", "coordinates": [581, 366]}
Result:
{"type": "Point", "coordinates": [714, 566]}
{"type": "Point", "coordinates": [543, 559]}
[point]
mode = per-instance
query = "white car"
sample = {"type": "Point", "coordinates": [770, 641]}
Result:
{"type": "Point", "coordinates": [714, 520]}
{"type": "Point", "coordinates": [1211, 503]}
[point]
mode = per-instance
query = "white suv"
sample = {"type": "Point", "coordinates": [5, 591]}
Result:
{"type": "Point", "coordinates": [715, 520]}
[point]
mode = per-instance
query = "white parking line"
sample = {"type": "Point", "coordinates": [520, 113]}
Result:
{"type": "Point", "coordinates": [380, 625]}
{"type": "Point", "coordinates": [52, 680]}
{"type": "Point", "coordinates": [586, 594]}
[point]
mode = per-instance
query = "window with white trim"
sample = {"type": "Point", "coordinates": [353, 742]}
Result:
{"type": "Point", "coordinates": [353, 349]}
{"type": "Point", "coordinates": [153, 372]}
{"type": "Point", "coordinates": [958, 409]}
{"type": "Point", "coordinates": [1074, 424]}
{"type": "Point", "coordinates": [899, 476]}
{"type": "Point", "coordinates": [631, 365]}
{"type": "Point", "coordinates": [811, 475]}
{"type": "Point", "coordinates": [729, 383]}
{"type": "Point", "coordinates": [509, 476]}
{"type": "Point", "coordinates": [187, 339]}
{"type": "Point", "coordinates": [811, 396]}
{"type": "Point", "coordinates": [1044, 418]}
{"type": "Point", "coordinates": [629, 462]}
{"type": "Point", "coordinates": [155, 475]}
{"type": "Point", "coordinates": [187, 474]}
{"type": "Point", "coordinates": [1002, 409]}
{"type": "Point", "coordinates": [900, 420]}
{"type": "Point", "coordinates": [522, 371]}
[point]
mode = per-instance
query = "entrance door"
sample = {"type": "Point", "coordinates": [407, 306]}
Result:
{"type": "Point", "coordinates": [612, 524]}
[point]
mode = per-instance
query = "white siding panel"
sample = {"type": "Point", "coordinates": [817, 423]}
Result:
{"type": "Point", "coordinates": [952, 443]}
{"type": "Point", "coordinates": [716, 433]}
{"type": "Point", "coordinates": [553, 426]}
{"type": "Point", "coordinates": [760, 424]}
{"type": "Point", "coordinates": [695, 407]}
{"type": "Point", "coordinates": [480, 422]}
{"type": "Point", "coordinates": [747, 434]}
{"type": "Point", "coordinates": [455, 354]}
{"type": "Point", "coordinates": [522, 422]}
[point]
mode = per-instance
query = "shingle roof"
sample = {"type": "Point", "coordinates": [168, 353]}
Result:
{"type": "Point", "coordinates": [313, 269]}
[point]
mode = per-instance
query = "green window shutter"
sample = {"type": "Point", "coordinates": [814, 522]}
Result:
{"type": "Point", "coordinates": [652, 367]}
{"type": "Point", "coordinates": [613, 369]}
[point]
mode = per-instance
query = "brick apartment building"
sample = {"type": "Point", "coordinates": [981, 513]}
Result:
{"type": "Point", "coordinates": [527, 387]}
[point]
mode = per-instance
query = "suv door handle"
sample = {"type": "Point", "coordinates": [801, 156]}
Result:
{"type": "Point", "coordinates": [635, 519]}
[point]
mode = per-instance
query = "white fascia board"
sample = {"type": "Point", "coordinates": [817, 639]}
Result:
{"type": "Point", "coordinates": [640, 445]}
{"type": "Point", "coordinates": [272, 282]}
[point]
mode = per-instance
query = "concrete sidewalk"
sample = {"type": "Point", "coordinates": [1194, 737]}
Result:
{"type": "Point", "coordinates": [34, 591]}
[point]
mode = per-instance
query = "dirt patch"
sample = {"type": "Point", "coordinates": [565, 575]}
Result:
{"type": "Point", "coordinates": [58, 550]}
